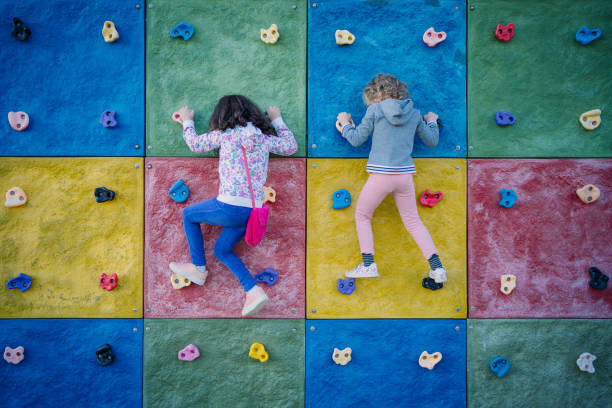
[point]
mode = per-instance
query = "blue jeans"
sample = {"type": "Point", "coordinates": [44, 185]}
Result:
{"type": "Point", "coordinates": [234, 220]}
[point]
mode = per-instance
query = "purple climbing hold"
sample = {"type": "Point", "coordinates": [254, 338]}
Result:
{"type": "Point", "coordinates": [346, 286]}
{"type": "Point", "coordinates": [503, 118]}
{"type": "Point", "coordinates": [268, 276]}
{"type": "Point", "coordinates": [108, 119]}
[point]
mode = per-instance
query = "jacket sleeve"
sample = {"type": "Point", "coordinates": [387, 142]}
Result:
{"type": "Point", "coordinates": [201, 143]}
{"type": "Point", "coordinates": [285, 143]}
{"type": "Point", "coordinates": [357, 136]}
{"type": "Point", "coordinates": [428, 132]}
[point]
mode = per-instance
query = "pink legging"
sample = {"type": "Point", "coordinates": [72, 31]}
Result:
{"type": "Point", "coordinates": [375, 190]}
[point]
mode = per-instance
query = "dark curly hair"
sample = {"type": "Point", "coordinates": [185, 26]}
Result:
{"type": "Point", "coordinates": [238, 110]}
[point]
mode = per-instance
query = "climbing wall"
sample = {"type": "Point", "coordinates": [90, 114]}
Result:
{"type": "Point", "coordinates": [64, 239]}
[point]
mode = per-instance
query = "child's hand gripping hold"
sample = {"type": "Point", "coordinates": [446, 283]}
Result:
{"type": "Point", "coordinates": [182, 114]}
{"type": "Point", "coordinates": [342, 120]}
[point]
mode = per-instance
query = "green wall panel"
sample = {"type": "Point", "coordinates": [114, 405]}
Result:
{"type": "Point", "coordinates": [224, 375]}
{"type": "Point", "coordinates": [542, 355]}
{"type": "Point", "coordinates": [224, 56]}
{"type": "Point", "coordinates": [542, 75]}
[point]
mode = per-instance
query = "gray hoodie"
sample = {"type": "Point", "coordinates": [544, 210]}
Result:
{"type": "Point", "coordinates": [393, 123]}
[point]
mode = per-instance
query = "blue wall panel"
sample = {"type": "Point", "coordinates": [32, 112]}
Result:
{"type": "Point", "coordinates": [60, 367]}
{"type": "Point", "coordinates": [389, 39]}
{"type": "Point", "coordinates": [64, 76]}
{"type": "Point", "coordinates": [384, 369]}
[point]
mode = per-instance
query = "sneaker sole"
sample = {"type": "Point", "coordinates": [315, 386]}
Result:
{"type": "Point", "coordinates": [195, 280]}
{"type": "Point", "coordinates": [350, 275]}
{"type": "Point", "coordinates": [256, 308]}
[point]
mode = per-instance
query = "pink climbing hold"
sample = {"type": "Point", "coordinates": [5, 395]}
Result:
{"type": "Point", "coordinates": [13, 356]}
{"type": "Point", "coordinates": [433, 38]}
{"type": "Point", "coordinates": [18, 120]}
{"type": "Point", "coordinates": [189, 353]}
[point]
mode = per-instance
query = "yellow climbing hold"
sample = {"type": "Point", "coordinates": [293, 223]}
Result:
{"type": "Point", "coordinates": [15, 197]}
{"type": "Point", "coordinates": [109, 32]}
{"type": "Point", "coordinates": [591, 120]}
{"type": "Point", "coordinates": [179, 282]}
{"type": "Point", "coordinates": [344, 37]}
{"type": "Point", "coordinates": [270, 36]}
{"type": "Point", "coordinates": [258, 352]}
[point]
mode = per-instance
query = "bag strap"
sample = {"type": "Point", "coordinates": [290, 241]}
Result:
{"type": "Point", "coordinates": [246, 164]}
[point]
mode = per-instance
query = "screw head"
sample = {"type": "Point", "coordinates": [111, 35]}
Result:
{"type": "Point", "coordinates": [150, 5]}
{"type": "Point", "coordinates": [471, 147]}
{"type": "Point", "coordinates": [293, 309]}
{"type": "Point", "coordinates": [294, 7]}
{"type": "Point", "coordinates": [457, 328]}
{"type": "Point", "coordinates": [136, 147]}
{"type": "Point", "coordinates": [472, 8]}
{"type": "Point", "coordinates": [457, 167]}
{"type": "Point", "coordinates": [456, 7]}
{"type": "Point", "coordinates": [136, 165]}
{"type": "Point", "coordinates": [472, 307]}
{"type": "Point", "coordinates": [149, 166]}
{"type": "Point", "coordinates": [294, 330]}
{"type": "Point", "coordinates": [314, 310]}
{"type": "Point", "coordinates": [148, 328]}
{"type": "Point", "coordinates": [314, 145]}
{"type": "Point", "coordinates": [314, 5]}
{"type": "Point", "coordinates": [457, 147]}
{"type": "Point", "coordinates": [293, 167]}
{"type": "Point", "coordinates": [470, 166]}
{"type": "Point", "coordinates": [458, 309]}
{"type": "Point", "coordinates": [314, 165]}
{"type": "Point", "coordinates": [134, 310]}
{"type": "Point", "coordinates": [148, 310]}
{"type": "Point", "coordinates": [149, 147]}
{"type": "Point", "coordinates": [135, 329]}
{"type": "Point", "coordinates": [312, 328]}
{"type": "Point", "coordinates": [138, 6]}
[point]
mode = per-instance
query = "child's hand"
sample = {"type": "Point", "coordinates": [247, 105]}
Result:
{"type": "Point", "coordinates": [185, 113]}
{"type": "Point", "coordinates": [344, 118]}
{"type": "Point", "coordinates": [431, 117]}
{"type": "Point", "coordinates": [273, 112]}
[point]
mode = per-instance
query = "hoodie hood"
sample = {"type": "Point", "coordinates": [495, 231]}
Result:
{"type": "Point", "coordinates": [396, 111]}
{"type": "Point", "coordinates": [250, 137]}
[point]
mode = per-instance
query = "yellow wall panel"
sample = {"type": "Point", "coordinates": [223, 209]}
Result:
{"type": "Point", "coordinates": [64, 239]}
{"type": "Point", "coordinates": [333, 248]}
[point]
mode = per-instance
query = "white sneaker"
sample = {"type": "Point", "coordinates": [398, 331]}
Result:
{"type": "Point", "coordinates": [438, 274]}
{"type": "Point", "coordinates": [189, 271]}
{"type": "Point", "coordinates": [256, 299]}
{"type": "Point", "coordinates": [362, 271]}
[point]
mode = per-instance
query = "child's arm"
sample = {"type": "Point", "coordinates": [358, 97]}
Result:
{"type": "Point", "coordinates": [285, 144]}
{"type": "Point", "coordinates": [198, 143]}
{"type": "Point", "coordinates": [427, 130]}
{"type": "Point", "coordinates": [357, 136]}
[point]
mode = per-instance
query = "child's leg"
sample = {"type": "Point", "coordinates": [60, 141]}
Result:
{"type": "Point", "coordinates": [405, 200]}
{"type": "Point", "coordinates": [224, 251]}
{"type": "Point", "coordinates": [374, 191]}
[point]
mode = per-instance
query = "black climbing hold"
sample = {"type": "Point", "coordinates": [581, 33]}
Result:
{"type": "Point", "coordinates": [429, 283]}
{"type": "Point", "coordinates": [599, 279]}
{"type": "Point", "coordinates": [105, 355]}
{"type": "Point", "coordinates": [20, 31]}
{"type": "Point", "coordinates": [103, 194]}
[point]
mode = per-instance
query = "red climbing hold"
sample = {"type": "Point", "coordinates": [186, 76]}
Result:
{"type": "Point", "coordinates": [108, 282]}
{"type": "Point", "coordinates": [430, 199]}
{"type": "Point", "coordinates": [504, 33]}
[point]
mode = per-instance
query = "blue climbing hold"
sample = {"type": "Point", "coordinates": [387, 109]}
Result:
{"type": "Point", "coordinates": [179, 191]}
{"type": "Point", "coordinates": [585, 36]}
{"type": "Point", "coordinates": [503, 118]}
{"type": "Point", "coordinates": [508, 198]}
{"type": "Point", "coordinates": [268, 276]}
{"type": "Point", "coordinates": [341, 199]}
{"type": "Point", "coordinates": [21, 282]}
{"type": "Point", "coordinates": [346, 286]}
{"type": "Point", "coordinates": [184, 30]}
{"type": "Point", "coordinates": [500, 366]}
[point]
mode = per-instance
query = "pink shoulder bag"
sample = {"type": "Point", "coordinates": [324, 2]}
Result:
{"type": "Point", "coordinates": [256, 228]}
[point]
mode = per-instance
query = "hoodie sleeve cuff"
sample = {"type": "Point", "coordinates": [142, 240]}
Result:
{"type": "Point", "coordinates": [278, 123]}
{"type": "Point", "coordinates": [188, 123]}
{"type": "Point", "coordinates": [348, 125]}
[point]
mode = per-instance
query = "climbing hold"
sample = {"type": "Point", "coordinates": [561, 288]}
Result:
{"type": "Point", "coordinates": [104, 194]}
{"type": "Point", "coordinates": [585, 36]}
{"type": "Point", "coordinates": [588, 193]}
{"type": "Point", "coordinates": [105, 355]}
{"type": "Point", "coordinates": [179, 191]}
{"type": "Point", "coordinates": [339, 126]}
{"type": "Point", "coordinates": [430, 199]}
{"type": "Point", "coordinates": [179, 282]}
{"type": "Point", "coordinates": [430, 283]}
{"type": "Point", "coordinates": [108, 119]}
{"type": "Point", "coordinates": [508, 198]}
{"type": "Point", "coordinates": [258, 352]}
{"type": "Point", "coordinates": [109, 32]}
{"type": "Point", "coordinates": [184, 30]}
{"type": "Point", "coordinates": [15, 197]}
{"type": "Point", "coordinates": [504, 33]}
{"type": "Point", "coordinates": [18, 120]}
{"type": "Point", "coordinates": [269, 36]}
{"type": "Point", "coordinates": [591, 119]}
{"type": "Point", "coordinates": [344, 37]}
{"type": "Point", "coordinates": [433, 38]}
{"type": "Point", "coordinates": [342, 357]}
{"type": "Point", "coordinates": [503, 118]}
{"type": "Point", "coordinates": [13, 356]}
{"type": "Point", "coordinates": [189, 353]}
{"type": "Point", "coordinates": [22, 282]}
{"type": "Point", "coordinates": [508, 283]}
{"type": "Point", "coordinates": [585, 362]}
{"type": "Point", "coordinates": [269, 195]}
{"type": "Point", "coordinates": [599, 280]}
{"type": "Point", "coordinates": [177, 118]}
{"type": "Point", "coordinates": [500, 366]}
{"type": "Point", "coordinates": [427, 360]}
{"type": "Point", "coordinates": [341, 199]}
{"type": "Point", "coordinates": [108, 282]}
{"type": "Point", "coordinates": [346, 286]}
{"type": "Point", "coordinates": [20, 31]}
{"type": "Point", "coordinates": [268, 276]}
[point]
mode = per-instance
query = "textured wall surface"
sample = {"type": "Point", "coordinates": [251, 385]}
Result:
{"type": "Point", "coordinates": [224, 375]}
{"type": "Point", "coordinates": [224, 56]}
{"type": "Point", "coordinates": [64, 239]}
{"type": "Point", "coordinates": [388, 38]}
{"type": "Point", "coordinates": [60, 367]}
{"type": "Point", "coordinates": [282, 249]}
{"type": "Point", "coordinates": [543, 76]}
{"type": "Point", "coordinates": [543, 370]}
{"type": "Point", "coordinates": [333, 247]}
{"type": "Point", "coordinates": [384, 369]}
{"type": "Point", "coordinates": [64, 76]}
{"type": "Point", "coordinates": [548, 239]}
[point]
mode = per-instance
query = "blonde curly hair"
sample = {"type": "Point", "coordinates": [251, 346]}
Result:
{"type": "Point", "coordinates": [384, 86]}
